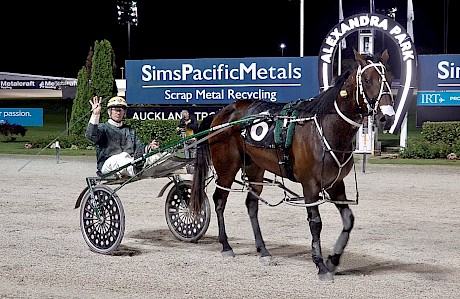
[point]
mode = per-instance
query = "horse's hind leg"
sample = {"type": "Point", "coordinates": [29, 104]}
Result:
{"type": "Point", "coordinates": [220, 201]}
{"type": "Point", "coordinates": [255, 174]}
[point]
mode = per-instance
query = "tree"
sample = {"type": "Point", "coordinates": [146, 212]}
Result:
{"type": "Point", "coordinates": [103, 74]}
{"type": "Point", "coordinates": [95, 78]}
{"type": "Point", "coordinates": [81, 106]}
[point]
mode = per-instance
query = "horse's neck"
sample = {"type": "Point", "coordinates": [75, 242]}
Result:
{"type": "Point", "coordinates": [347, 102]}
{"type": "Point", "coordinates": [345, 119]}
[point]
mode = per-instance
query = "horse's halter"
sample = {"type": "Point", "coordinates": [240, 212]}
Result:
{"type": "Point", "coordinates": [385, 88]}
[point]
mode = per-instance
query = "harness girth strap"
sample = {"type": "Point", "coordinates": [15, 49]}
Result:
{"type": "Point", "coordinates": [286, 163]}
{"type": "Point", "coordinates": [284, 132]}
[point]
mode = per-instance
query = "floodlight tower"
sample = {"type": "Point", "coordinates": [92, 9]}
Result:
{"type": "Point", "coordinates": [127, 15]}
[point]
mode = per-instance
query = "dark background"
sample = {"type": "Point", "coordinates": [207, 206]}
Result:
{"type": "Point", "coordinates": [53, 37]}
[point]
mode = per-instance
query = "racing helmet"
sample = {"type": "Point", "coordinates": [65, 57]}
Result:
{"type": "Point", "coordinates": [117, 102]}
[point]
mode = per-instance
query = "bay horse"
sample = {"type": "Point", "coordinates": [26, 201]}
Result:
{"type": "Point", "coordinates": [319, 154]}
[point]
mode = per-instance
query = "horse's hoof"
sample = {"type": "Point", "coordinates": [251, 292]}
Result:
{"type": "Point", "coordinates": [267, 261]}
{"type": "Point", "coordinates": [331, 267]}
{"type": "Point", "coordinates": [326, 277]}
{"type": "Point", "coordinates": [228, 253]}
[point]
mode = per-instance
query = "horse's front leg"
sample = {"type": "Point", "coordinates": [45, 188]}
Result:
{"type": "Point", "coordinates": [316, 225]}
{"type": "Point", "coordinates": [220, 201]}
{"type": "Point", "coordinates": [348, 220]}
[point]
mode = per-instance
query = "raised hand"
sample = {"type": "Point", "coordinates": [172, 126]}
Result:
{"type": "Point", "coordinates": [95, 105]}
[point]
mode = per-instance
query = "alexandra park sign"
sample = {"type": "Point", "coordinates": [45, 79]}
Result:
{"type": "Point", "coordinates": [398, 35]}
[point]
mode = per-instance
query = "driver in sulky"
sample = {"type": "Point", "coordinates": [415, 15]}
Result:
{"type": "Point", "coordinates": [116, 143]}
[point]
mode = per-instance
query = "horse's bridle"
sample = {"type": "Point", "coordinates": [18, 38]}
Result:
{"type": "Point", "coordinates": [385, 88]}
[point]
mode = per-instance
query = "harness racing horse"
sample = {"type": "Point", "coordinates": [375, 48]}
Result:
{"type": "Point", "coordinates": [319, 155]}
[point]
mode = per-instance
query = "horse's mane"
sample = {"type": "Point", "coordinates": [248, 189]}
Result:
{"type": "Point", "coordinates": [370, 57]}
{"type": "Point", "coordinates": [324, 102]}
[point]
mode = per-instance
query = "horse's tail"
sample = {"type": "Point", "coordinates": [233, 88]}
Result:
{"type": "Point", "coordinates": [201, 169]}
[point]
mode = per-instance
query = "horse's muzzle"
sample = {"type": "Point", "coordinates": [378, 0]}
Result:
{"type": "Point", "coordinates": [384, 122]}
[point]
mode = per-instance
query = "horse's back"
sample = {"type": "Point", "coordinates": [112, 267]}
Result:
{"type": "Point", "coordinates": [245, 108]}
{"type": "Point", "coordinates": [231, 112]}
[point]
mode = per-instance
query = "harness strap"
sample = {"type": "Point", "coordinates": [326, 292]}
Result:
{"type": "Point", "coordinates": [344, 117]}
{"type": "Point", "coordinates": [334, 156]}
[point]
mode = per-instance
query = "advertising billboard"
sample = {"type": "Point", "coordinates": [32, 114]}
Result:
{"type": "Point", "coordinates": [438, 96]}
{"type": "Point", "coordinates": [220, 80]}
{"type": "Point", "coordinates": [30, 117]}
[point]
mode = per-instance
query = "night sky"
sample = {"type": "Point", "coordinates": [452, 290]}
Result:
{"type": "Point", "coordinates": [53, 37]}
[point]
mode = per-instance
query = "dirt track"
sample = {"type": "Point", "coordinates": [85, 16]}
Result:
{"type": "Point", "coordinates": [405, 242]}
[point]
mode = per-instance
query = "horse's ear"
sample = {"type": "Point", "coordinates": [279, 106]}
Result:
{"type": "Point", "coordinates": [359, 58]}
{"type": "Point", "coordinates": [385, 56]}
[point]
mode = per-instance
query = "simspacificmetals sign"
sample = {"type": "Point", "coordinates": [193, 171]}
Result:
{"type": "Point", "coordinates": [439, 80]}
{"type": "Point", "coordinates": [220, 81]}
{"type": "Point", "coordinates": [438, 95]}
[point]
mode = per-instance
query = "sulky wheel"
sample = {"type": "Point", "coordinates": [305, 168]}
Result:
{"type": "Point", "coordinates": [102, 220]}
{"type": "Point", "coordinates": [182, 223]}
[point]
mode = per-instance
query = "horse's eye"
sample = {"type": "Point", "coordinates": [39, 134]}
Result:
{"type": "Point", "coordinates": [367, 80]}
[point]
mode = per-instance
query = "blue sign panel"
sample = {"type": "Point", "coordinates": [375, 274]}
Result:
{"type": "Point", "coordinates": [438, 98]}
{"type": "Point", "coordinates": [29, 117]}
{"type": "Point", "coordinates": [439, 72]}
{"type": "Point", "coordinates": [220, 81]}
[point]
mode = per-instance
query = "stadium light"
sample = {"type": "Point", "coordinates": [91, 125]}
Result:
{"type": "Point", "coordinates": [127, 15]}
{"type": "Point", "coordinates": [282, 47]}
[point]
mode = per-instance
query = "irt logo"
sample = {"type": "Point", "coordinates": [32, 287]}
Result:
{"type": "Point", "coordinates": [431, 98]}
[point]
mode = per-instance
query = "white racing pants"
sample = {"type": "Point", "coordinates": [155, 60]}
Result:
{"type": "Point", "coordinates": [116, 161]}
{"type": "Point", "coordinates": [119, 160]}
